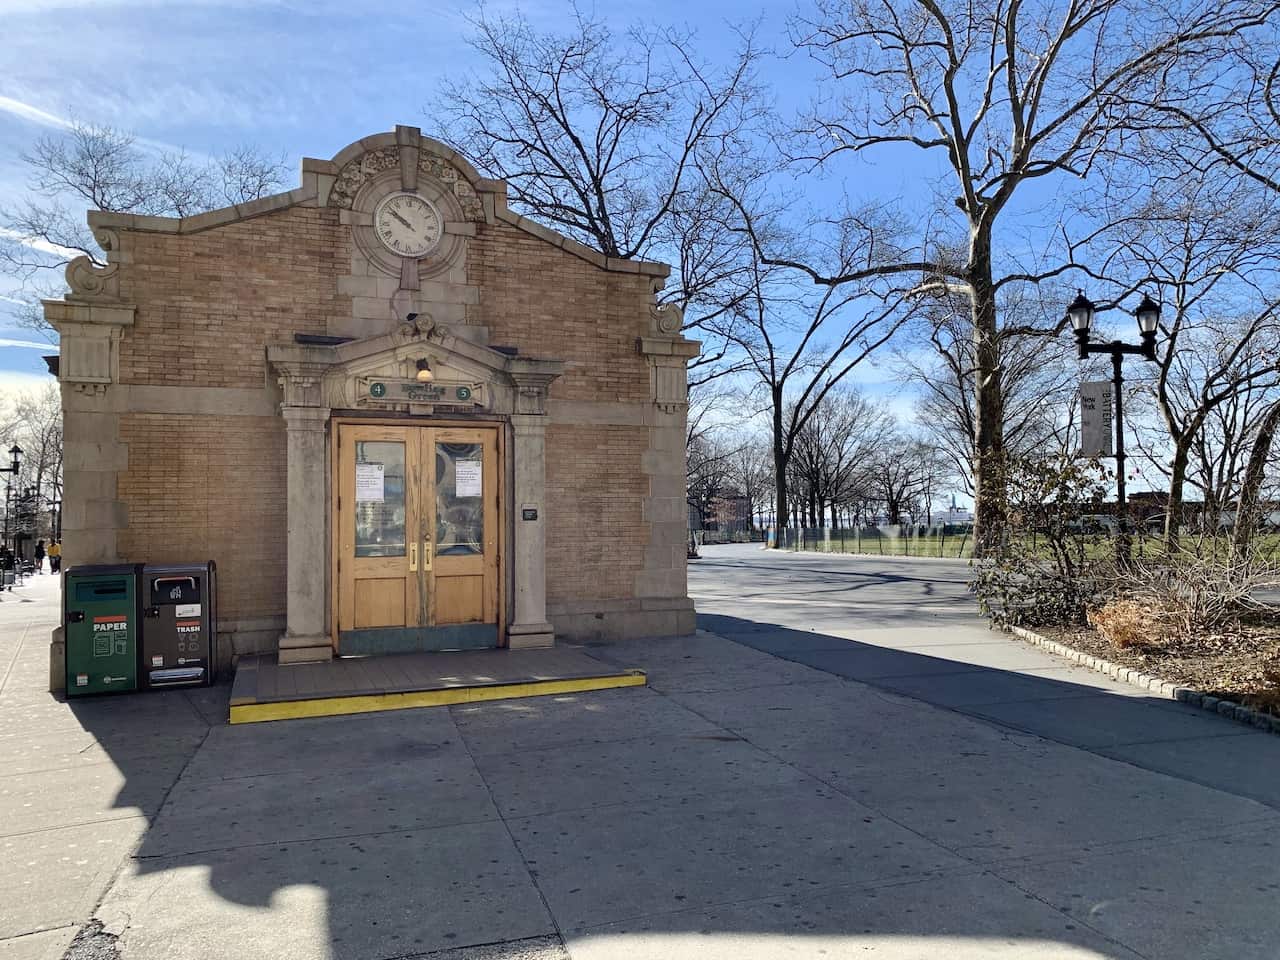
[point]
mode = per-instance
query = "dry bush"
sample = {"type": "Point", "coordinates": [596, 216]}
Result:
{"type": "Point", "coordinates": [1127, 623]}
{"type": "Point", "coordinates": [1268, 698]}
{"type": "Point", "coordinates": [1201, 593]}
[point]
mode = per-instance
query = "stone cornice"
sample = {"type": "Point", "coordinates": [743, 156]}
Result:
{"type": "Point", "coordinates": [568, 245]}
{"type": "Point", "coordinates": [319, 177]}
{"type": "Point", "coordinates": [668, 347]}
{"type": "Point", "coordinates": [61, 313]}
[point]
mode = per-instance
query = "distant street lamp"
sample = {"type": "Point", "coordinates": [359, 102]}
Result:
{"type": "Point", "coordinates": [1081, 312]}
{"type": "Point", "coordinates": [16, 453]}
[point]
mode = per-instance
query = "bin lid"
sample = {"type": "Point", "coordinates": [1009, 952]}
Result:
{"type": "Point", "coordinates": [102, 570]}
{"type": "Point", "coordinates": [160, 569]}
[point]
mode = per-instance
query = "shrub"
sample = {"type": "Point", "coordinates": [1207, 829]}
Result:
{"type": "Point", "coordinates": [1201, 590]}
{"type": "Point", "coordinates": [1042, 572]}
{"type": "Point", "coordinates": [1127, 623]}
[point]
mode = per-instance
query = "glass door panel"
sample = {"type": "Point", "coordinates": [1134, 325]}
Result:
{"type": "Point", "coordinates": [380, 499]}
{"type": "Point", "coordinates": [459, 499]}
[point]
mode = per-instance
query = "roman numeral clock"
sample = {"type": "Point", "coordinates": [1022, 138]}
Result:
{"type": "Point", "coordinates": [408, 224]}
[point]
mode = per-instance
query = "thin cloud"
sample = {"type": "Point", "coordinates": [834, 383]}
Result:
{"type": "Point", "coordinates": [34, 243]}
{"type": "Point", "coordinates": [27, 112]}
{"type": "Point", "coordinates": [28, 344]}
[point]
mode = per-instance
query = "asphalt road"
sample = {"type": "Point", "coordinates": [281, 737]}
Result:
{"type": "Point", "coordinates": [910, 626]}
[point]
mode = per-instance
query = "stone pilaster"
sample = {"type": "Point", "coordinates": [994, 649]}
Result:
{"type": "Point", "coordinates": [305, 637]}
{"type": "Point", "coordinates": [529, 626]}
{"type": "Point", "coordinates": [662, 585]}
{"type": "Point", "coordinates": [91, 320]}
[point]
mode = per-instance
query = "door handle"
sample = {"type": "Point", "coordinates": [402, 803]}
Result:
{"type": "Point", "coordinates": [413, 557]}
{"type": "Point", "coordinates": [426, 554]}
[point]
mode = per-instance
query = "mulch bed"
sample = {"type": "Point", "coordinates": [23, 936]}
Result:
{"type": "Point", "coordinates": [1241, 665]}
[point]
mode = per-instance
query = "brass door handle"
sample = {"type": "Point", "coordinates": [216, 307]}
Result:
{"type": "Point", "coordinates": [426, 554]}
{"type": "Point", "coordinates": [413, 557]}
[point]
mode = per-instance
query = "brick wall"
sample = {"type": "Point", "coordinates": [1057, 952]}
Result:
{"type": "Point", "coordinates": [552, 304]}
{"type": "Point", "coordinates": [596, 532]}
{"type": "Point", "coordinates": [209, 489]}
{"type": "Point", "coordinates": [209, 302]}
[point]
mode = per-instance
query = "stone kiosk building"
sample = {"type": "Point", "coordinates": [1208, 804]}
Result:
{"type": "Point", "coordinates": [396, 414]}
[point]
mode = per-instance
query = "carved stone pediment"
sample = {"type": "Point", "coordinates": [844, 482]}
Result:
{"type": "Point", "coordinates": [381, 373]}
{"type": "Point", "coordinates": [390, 382]}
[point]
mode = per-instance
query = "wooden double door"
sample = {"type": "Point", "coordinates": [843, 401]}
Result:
{"type": "Point", "coordinates": [417, 524]}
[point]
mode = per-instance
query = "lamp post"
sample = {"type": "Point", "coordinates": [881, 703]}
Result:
{"type": "Point", "coordinates": [1081, 312]}
{"type": "Point", "coordinates": [15, 465]}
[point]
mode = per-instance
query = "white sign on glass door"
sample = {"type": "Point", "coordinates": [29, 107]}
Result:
{"type": "Point", "coordinates": [467, 475]}
{"type": "Point", "coordinates": [369, 482]}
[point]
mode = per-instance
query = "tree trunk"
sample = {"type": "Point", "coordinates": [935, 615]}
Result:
{"type": "Point", "coordinates": [1248, 513]}
{"type": "Point", "coordinates": [1177, 486]}
{"type": "Point", "coordinates": [779, 466]}
{"type": "Point", "coordinates": [988, 446]}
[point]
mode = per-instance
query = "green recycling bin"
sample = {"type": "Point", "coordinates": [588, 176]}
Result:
{"type": "Point", "coordinates": [101, 619]}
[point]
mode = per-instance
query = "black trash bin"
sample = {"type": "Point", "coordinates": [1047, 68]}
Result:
{"type": "Point", "coordinates": [179, 625]}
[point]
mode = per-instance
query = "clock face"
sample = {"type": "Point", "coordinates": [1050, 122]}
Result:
{"type": "Point", "coordinates": [408, 225]}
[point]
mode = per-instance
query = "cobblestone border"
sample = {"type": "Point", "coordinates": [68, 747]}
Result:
{"type": "Point", "coordinates": [1161, 688]}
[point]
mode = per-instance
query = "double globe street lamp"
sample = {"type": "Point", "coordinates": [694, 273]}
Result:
{"type": "Point", "coordinates": [1081, 313]}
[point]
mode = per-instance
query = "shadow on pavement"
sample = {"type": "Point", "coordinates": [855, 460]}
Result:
{"type": "Point", "coordinates": [746, 806]}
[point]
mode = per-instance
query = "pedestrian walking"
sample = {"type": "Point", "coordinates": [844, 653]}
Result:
{"type": "Point", "coordinates": [39, 556]}
{"type": "Point", "coordinates": [55, 556]}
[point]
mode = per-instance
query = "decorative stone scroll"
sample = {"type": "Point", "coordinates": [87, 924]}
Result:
{"type": "Point", "coordinates": [438, 168]}
{"type": "Point", "coordinates": [669, 319]}
{"type": "Point", "coordinates": [90, 280]}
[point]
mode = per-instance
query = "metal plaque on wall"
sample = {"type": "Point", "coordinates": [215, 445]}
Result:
{"type": "Point", "coordinates": [1097, 436]}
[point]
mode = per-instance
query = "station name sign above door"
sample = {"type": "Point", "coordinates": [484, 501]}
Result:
{"type": "Point", "coordinates": [458, 394]}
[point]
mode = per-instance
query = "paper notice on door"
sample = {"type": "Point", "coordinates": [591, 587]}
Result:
{"type": "Point", "coordinates": [187, 610]}
{"type": "Point", "coordinates": [369, 482]}
{"type": "Point", "coordinates": [467, 475]}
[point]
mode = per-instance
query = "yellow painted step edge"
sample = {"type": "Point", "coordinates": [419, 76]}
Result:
{"type": "Point", "coordinates": [371, 703]}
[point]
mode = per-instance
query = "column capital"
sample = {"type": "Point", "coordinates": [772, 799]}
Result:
{"type": "Point", "coordinates": [304, 418]}
{"type": "Point", "coordinates": [532, 379]}
{"type": "Point", "coordinates": [301, 382]}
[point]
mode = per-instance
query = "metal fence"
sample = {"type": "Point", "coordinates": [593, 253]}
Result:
{"type": "Point", "coordinates": [899, 540]}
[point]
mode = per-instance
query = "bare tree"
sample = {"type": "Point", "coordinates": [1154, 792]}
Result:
{"type": "Point", "coordinates": [34, 423]}
{"type": "Point", "coordinates": [903, 476]}
{"type": "Point", "coordinates": [1210, 243]}
{"type": "Point", "coordinates": [752, 472]}
{"type": "Point", "coordinates": [600, 134]}
{"type": "Point", "coordinates": [95, 167]}
{"type": "Point", "coordinates": [783, 330]}
{"type": "Point", "coordinates": [833, 450]}
{"type": "Point", "coordinates": [1037, 385]}
{"type": "Point", "coordinates": [1003, 96]}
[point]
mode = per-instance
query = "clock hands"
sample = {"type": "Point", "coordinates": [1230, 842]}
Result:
{"type": "Point", "coordinates": [400, 218]}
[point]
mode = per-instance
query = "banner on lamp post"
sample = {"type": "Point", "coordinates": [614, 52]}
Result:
{"type": "Point", "coordinates": [1097, 436]}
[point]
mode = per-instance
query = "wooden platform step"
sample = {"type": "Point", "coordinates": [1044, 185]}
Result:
{"type": "Point", "coordinates": [265, 690]}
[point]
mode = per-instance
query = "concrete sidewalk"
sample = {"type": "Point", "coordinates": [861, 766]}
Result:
{"type": "Point", "coordinates": [910, 627]}
{"type": "Point", "coordinates": [743, 806]}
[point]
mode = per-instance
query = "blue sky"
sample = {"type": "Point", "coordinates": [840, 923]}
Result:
{"type": "Point", "coordinates": [298, 79]}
